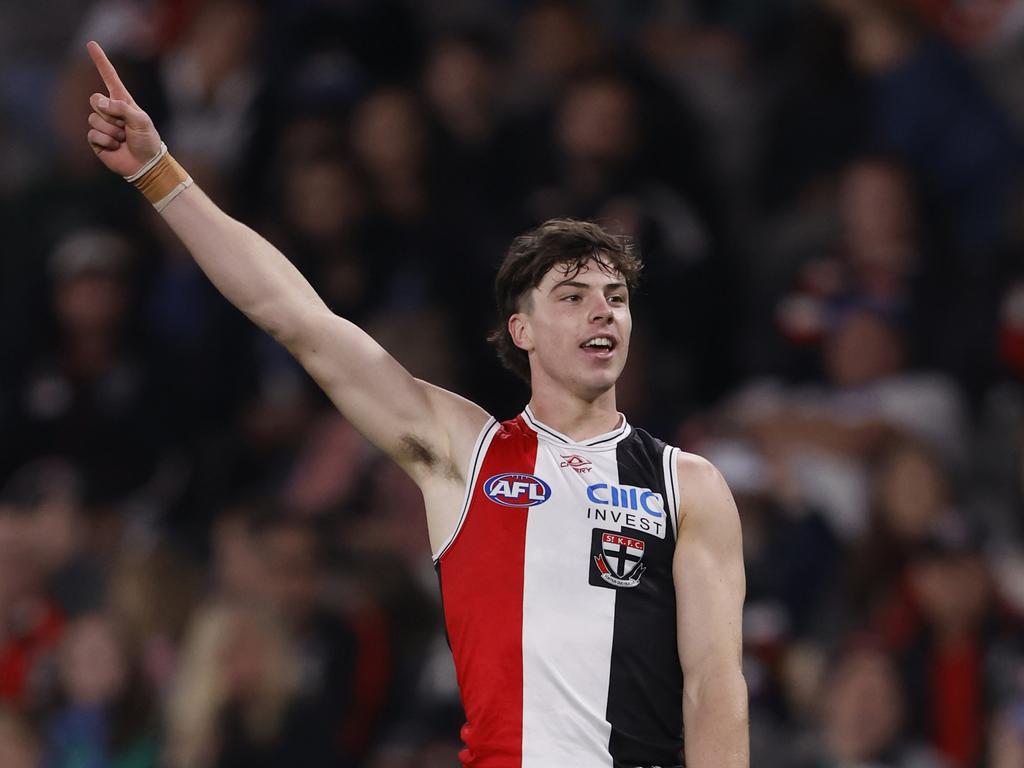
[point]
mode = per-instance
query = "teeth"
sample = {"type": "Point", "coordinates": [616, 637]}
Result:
{"type": "Point", "coordinates": [599, 343]}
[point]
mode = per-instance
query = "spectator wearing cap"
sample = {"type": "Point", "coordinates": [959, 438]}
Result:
{"type": "Point", "coordinates": [91, 399]}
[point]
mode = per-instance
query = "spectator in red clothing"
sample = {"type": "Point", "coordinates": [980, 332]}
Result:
{"type": "Point", "coordinates": [911, 492]}
{"type": "Point", "coordinates": [864, 714]}
{"type": "Point", "coordinates": [31, 625]}
{"type": "Point", "coordinates": [344, 655]}
{"type": "Point", "coordinates": [953, 639]}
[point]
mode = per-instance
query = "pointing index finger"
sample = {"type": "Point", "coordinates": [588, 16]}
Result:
{"type": "Point", "coordinates": [114, 85]}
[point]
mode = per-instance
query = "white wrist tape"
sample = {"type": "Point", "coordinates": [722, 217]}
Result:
{"type": "Point", "coordinates": [149, 164]}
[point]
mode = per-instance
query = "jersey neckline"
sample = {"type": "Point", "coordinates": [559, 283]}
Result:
{"type": "Point", "coordinates": [597, 443]}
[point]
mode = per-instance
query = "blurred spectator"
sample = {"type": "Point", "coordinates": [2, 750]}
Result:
{"type": "Point", "coordinates": [1006, 741]}
{"type": "Point", "coordinates": [48, 494]}
{"type": "Point", "coordinates": [880, 227]}
{"type": "Point", "coordinates": [911, 494]}
{"type": "Point", "coordinates": [238, 569]}
{"type": "Point", "coordinates": [329, 469]}
{"type": "Point", "coordinates": [557, 40]}
{"type": "Point", "coordinates": [19, 747]}
{"type": "Point", "coordinates": [93, 399]}
{"type": "Point", "coordinates": [791, 558]}
{"type": "Point", "coordinates": [460, 82]}
{"type": "Point", "coordinates": [63, 194]}
{"type": "Point", "coordinates": [343, 653]}
{"type": "Point", "coordinates": [926, 107]}
{"type": "Point", "coordinates": [790, 551]}
{"type": "Point", "coordinates": [597, 138]}
{"type": "Point", "coordinates": [1011, 331]}
{"type": "Point", "coordinates": [955, 641]}
{"type": "Point", "coordinates": [106, 716]}
{"type": "Point", "coordinates": [153, 593]}
{"type": "Point", "coordinates": [864, 714]}
{"type": "Point", "coordinates": [235, 700]}
{"type": "Point", "coordinates": [826, 434]}
{"type": "Point", "coordinates": [323, 223]}
{"type": "Point", "coordinates": [31, 624]}
{"type": "Point", "coordinates": [212, 81]}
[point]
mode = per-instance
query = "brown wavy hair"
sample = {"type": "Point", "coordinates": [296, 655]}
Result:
{"type": "Point", "coordinates": [565, 242]}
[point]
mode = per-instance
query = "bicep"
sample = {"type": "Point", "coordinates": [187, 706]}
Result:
{"type": "Point", "coordinates": [418, 425]}
{"type": "Point", "coordinates": [708, 573]}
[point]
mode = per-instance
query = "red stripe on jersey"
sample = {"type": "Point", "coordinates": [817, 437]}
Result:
{"type": "Point", "coordinates": [482, 588]}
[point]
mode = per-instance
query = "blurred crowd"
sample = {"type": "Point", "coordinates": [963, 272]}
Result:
{"type": "Point", "coordinates": [202, 565]}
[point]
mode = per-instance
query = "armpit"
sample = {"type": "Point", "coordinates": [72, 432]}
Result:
{"type": "Point", "coordinates": [413, 450]}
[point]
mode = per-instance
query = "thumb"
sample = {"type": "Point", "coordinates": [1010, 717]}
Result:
{"type": "Point", "coordinates": [132, 116]}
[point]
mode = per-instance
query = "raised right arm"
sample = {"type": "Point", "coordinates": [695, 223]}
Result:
{"type": "Point", "coordinates": [423, 427]}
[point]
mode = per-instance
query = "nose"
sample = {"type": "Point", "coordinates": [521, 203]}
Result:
{"type": "Point", "coordinates": [601, 312]}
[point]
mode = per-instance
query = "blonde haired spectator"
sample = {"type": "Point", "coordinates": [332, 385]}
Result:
{"type": "Point", "coordinates": [234, 701]}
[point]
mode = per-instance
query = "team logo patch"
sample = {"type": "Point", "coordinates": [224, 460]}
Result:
{"type": "Point", "coordinates": [517, 490]}
{"type": "Point", "coordinates": [617, 559]}
{"type": "Point", "coordinates": [578, 463]}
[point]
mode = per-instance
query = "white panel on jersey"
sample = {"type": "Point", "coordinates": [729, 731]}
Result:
{"type": "Point", "coordinates": [670, 468]}
{"type": "Point", "coordinates": [565, 665]}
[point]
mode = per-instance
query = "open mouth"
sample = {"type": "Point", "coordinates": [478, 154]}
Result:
{"type": "Point", "coordinates": [599, 346]}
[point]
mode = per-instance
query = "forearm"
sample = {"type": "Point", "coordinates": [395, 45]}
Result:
{"type": "Point", "coordinates": [715, 716]}
{"type": "Point", "coordinates": [250, 272]}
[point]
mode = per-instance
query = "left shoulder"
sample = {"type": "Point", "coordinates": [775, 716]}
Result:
{"type": "Point", "coordinates": [703, 492]}
{"type": "Point", "coordinates": [692, 468]}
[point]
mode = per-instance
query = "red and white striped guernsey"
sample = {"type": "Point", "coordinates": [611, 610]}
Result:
{"type": "Point", "coordinates": [559, 601]}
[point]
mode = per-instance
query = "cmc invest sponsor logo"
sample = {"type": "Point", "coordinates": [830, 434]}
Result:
{"type": "Point", "coordinates": [627, 497]}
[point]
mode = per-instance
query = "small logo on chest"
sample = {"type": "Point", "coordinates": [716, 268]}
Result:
{"type": "Point", "coordinates": [517, 490]}
{"type": "Point", "coordinates": [618, 559]}
{"type": "Point", "coordinates": [578, 463]}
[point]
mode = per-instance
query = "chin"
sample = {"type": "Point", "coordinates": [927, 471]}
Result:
{"type": "Point", "coordinates": [593, 386]}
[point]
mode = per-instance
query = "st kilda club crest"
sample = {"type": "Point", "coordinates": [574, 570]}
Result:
{"type": "Point", "coordinates": [617, 559]}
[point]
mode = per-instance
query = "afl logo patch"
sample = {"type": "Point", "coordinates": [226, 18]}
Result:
{"type": "Point", "coordinates": [517, 490]}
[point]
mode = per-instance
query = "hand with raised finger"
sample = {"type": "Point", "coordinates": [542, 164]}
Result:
{"type": "Point", "coordinates": [120, 133]}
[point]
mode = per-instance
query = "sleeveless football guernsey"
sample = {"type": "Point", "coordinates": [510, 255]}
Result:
{"type": "Point", "coordinates": [559, 602]}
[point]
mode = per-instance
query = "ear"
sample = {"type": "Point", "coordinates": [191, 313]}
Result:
{"type": "Point", "coordinates": [519, 330]}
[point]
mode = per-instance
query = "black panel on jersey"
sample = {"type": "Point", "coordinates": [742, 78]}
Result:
{"type": "Point", "coordinates": [645, 690]}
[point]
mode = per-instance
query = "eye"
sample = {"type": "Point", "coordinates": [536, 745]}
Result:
{"type": "Point", "coordinates": [572, 298]}
{"type": "Point", "coordinates": [617, 298]}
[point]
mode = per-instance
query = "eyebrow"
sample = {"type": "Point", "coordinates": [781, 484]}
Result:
{"type": "Point", "coordinates": [570, 283]}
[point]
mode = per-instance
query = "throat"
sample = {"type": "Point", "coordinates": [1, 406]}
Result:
{"type": "Point", "coordinates": [578, 420]}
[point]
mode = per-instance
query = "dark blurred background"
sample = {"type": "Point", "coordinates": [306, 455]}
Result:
{"type": "Point", "coordinates": [203, 566]}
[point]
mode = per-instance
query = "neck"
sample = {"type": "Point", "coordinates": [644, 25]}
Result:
{"type": "Point", "coordinates": [573, 416]}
